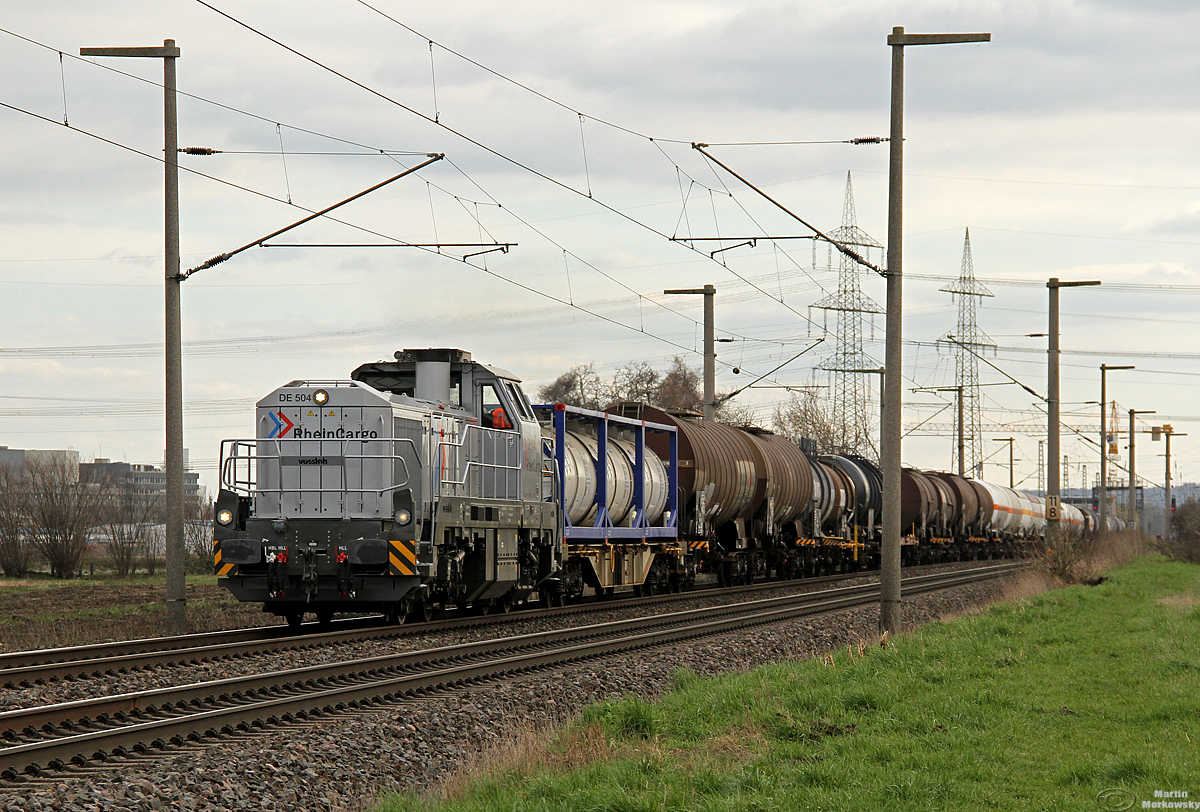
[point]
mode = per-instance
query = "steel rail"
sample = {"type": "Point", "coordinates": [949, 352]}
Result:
{"type": "Point", "coordinates": [372, 683]}
{"type": "Point", "coordinates": [22, 668]}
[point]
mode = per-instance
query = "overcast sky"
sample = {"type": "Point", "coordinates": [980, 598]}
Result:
{"type": "Point", "coordinates": [1067, 146]}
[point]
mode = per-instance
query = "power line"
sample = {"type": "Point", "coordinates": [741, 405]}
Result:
{"type": "Point", "coordinates": [1043, 183]}
{"type": "Point", "coordinates": [1041, 283]}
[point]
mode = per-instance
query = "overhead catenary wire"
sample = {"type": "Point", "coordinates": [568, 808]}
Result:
{"type": "Point", "coordinates": [458, 133]}
{"type": "Point", "coordinates": [283, 155]}
{"type": "Point", "coordinates": [147, 155]}
{"type": "Point", "coordinates": [390, 153]}
{"type": "Point", "coordinates": [62, 73]}
{"type": "Point", "coordinates": [374, 150]}
{"type": "Point", "coordinates": [334, 219]}
{"type": "Point", "coordinates": [597, 119]}
{"type": "Point", "coordinates": [844, 249]}
{"type": "Point", "coordinates": [195, 172]}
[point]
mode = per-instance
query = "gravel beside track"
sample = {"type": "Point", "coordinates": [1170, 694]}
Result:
{"type": "Point", "coordinates": [340, 762]}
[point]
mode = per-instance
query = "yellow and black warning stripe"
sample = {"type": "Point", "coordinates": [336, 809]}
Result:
{"type": "Point", "coordinates": [223, 570]}
{"type": "Point", "coordinates": [698, 545]}
{"type": "Point", "coordinates": [402, 557]}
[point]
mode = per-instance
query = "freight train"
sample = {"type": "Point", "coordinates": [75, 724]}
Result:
{"type": "Point", "coordinates": [431, 481]}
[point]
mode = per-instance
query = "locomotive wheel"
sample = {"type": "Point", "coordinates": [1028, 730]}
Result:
{"type": "Point", "coordinates": [324, 616]}
{"type": "Point", "coordinates": [421, 612]}
{"type": "Point", "coordinates": [393, 616]}
{"type": "Point", "coordinates": [294, 619]}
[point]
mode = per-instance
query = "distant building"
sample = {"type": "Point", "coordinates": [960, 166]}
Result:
{"type": "Point", "coordinates": [136, 480]}
{"type": "Point", "coordinates": [12, 458]}
{"type": "Point", "coordinates": [19, 459]}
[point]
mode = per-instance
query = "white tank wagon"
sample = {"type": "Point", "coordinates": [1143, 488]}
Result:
{"type": "Point", "coordinates": [620, 521]}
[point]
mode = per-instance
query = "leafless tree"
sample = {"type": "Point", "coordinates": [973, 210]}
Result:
{"type": "Point", "coordinates": [61, 512]}
{"type": "Point", "coordinates": [15, 550]}
{"type": "Point", "coordinates": [636, 381]}
{"type": "Point", "coordinates": [736, 414]}
{"type": "Point", "coordinates": [681, 388]}
{"type": "Point", "coordinates": [579, 386]}
{"type": "Point", "coordinates": [805, 415]}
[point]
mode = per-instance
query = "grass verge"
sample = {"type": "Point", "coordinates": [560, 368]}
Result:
{"type": "Point", "coordinates": [1083, 698]}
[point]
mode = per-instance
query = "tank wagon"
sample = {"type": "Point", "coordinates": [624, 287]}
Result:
{"type": "Point", "coordinates": [430, 480]}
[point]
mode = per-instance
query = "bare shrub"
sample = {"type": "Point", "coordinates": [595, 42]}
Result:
{"type": "Point", "coordinates": [1185, 533]}
{"type": "Point", "coordinates": [1078, 559]}
{"type": "Point", "coordinates": [128, 522]}
{"type": "Point", "coordinates": [198, 546]}
{"type": "Point", "coordinates": [1064, 557]}
{"type": "Point", "coordinates": [198, 534]}
{"type": "Point", "coordinates": [15, 549]}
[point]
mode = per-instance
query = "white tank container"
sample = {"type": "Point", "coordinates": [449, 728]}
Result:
{"type": "Point", "coordinates": [654, 481]}
{"type": "Point", "coordinates": [580, 485]}
{"type": "Point", "coordinates": [1006, 510]}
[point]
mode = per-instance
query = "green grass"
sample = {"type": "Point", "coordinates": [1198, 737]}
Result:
{"type": "Point", "coordinates": [1037, 704]}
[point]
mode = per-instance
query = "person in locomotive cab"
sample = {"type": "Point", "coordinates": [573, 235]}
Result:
{"type": "Point", "coordinates": [500, 419]}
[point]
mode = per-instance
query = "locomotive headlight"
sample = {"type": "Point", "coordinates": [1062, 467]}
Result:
{"type": "Point", "coordinates": [224, 517]}
{"type": "Point", "coordinates": [403, 516]}
{"type": "Point", "coordinates": [320, 397]}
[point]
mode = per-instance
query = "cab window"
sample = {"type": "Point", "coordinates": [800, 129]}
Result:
{"type": "Point", "coordinates": [492, 413]}
{"type": "Point", "coordinates": [518, 397]}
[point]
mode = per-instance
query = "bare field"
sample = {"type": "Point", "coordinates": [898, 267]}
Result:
{"type": "Point", "coordinates": [49, 614]}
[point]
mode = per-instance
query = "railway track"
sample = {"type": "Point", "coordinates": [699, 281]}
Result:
{"type": "Point", "coordinates": [53, 736]}
{"type": "Point", "coordinates": [26, 668]}
{"type": "Point", "coordinates": [22, 669]}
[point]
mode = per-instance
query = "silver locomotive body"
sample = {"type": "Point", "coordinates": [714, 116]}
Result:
{"type": "Point", "coordinates": [420, 481]}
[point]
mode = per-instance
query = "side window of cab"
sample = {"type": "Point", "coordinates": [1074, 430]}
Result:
{"type": "Point", "coordinates": [492, 413]}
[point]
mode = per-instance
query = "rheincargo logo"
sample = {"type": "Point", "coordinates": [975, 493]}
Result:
{"type": "Point", "coordinates": [301, 433]}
